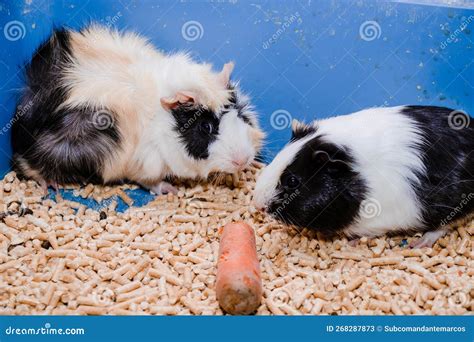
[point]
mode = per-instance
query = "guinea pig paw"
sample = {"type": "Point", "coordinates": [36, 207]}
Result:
{"type": "Point", "coordinates": [354, 242]}
{"type": "Point", "coordinates": [45, 185]}
{"type": "Point", "coordinates": [428, 239]}
{"type": "Point", "coordinates": [55, 186]}
{"type": "Point", "coordinates": [163, 188]}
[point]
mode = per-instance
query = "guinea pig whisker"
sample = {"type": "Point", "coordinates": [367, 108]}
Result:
{"type": "Point", "coordinates": [455, 183]}
{"type": "Point", "coordinates": [286, 219]}
{"type": "Point", "coordinates": [214, 178]}
{"type": "Point", "coordinates": [441, 206]}
{"type": "Point", "coordinates": [218, 178]}
{"type": "Point", "coordinates": [277, 215]}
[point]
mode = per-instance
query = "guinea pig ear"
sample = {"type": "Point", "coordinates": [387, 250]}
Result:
{"type": "Point", "coordinates": [224, 75]}
{"type": "Point", "coordinates": [182, 98]}
{"type": "Point", "coordinates": [296, 125]}
{"type": "Point", "coordinates": [323, 159]}
{"type": "Point", "coordinates": [300, 129]}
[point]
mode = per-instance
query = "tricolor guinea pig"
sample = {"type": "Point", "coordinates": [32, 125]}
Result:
{"type": "Point", "coordinates": [377, 171]}
{"type": "Point", "coordinates": [102, 106]}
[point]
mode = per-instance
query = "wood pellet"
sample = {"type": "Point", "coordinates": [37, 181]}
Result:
{"type": "Point", "coordinates": [59, 257]}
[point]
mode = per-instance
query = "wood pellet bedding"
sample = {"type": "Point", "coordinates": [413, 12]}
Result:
{"type": "Point", "coordinates": [61, 258]}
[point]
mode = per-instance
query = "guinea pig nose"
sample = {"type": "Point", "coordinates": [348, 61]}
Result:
{"type": "Point", "coordinates": [237, 163]}
{"type": "Point", "coordinates": [240, 161]}
{"type": "Point", "coordinates": [260, 207]}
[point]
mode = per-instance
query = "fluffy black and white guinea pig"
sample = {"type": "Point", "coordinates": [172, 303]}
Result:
{"type": "Point", "coordinates": [374, 172]}
{"type": "Point", "coordinates": [102, 106]}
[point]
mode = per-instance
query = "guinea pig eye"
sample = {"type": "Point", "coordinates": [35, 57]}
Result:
{"type": "Point", "coordinates": [206, 127]}
{"type": "Point", "coordinates": [291, 182]}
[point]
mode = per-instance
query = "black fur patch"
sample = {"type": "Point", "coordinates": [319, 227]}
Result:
{"type": "Point", "coordinates": [62, 145]}
{"type": "Point", "coordinates": [242, 107]}
{"type": "Point", "coordinates": [192, 123]}
{"type": "Point", "coordinates": [319, 189]}
{"type": "Point", "coordinates": [301, 132]}
{"type": "Point", "coordinates": [197, 127]}
{"type": "Point", "coordinates": [447, 190]}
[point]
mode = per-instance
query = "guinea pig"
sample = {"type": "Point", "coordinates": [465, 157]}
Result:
{"type": "Point", "coordinates": [102, 106]}
{"type": "Point", "coordinates": [379, 171]}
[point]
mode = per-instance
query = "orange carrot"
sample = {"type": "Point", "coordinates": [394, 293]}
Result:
{"type": "Point", "coordinates": [238, 283]}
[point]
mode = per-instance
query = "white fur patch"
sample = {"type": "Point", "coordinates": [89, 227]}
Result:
{"type": "Point", "coordinates": [124, 73]}
{"type": "Point", "coordinates": [383, 143]}
{"type": "Point", "coordinates": [265, 189]}
{"type": "Point", "coordinates": [233, 143]}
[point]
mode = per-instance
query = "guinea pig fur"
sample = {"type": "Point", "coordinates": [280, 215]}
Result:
{"type": "Point", "coordinates": [102, 106]}
{"type": "Point", "coordinates": [377, 171]}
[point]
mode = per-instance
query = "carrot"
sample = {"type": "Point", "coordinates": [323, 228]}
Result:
{"type": "Point", "coordinates": [238, 283]}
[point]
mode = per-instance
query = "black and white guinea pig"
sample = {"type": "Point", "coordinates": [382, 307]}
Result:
{"type": "Point", "coordinates": [377, 171]}
{"type": "Point", "coordinates": [102, 106]}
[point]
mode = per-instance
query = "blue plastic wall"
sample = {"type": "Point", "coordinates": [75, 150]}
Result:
{"type": "Point", "coordinates": [297, 59]}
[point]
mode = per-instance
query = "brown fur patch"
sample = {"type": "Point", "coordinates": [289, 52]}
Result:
{"type": "Point", "coordinates": [91, 47]}
{"type": "Point", "coordinates": [27, 170]}
{"type": "Point", "coordinates": [257, 136]}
